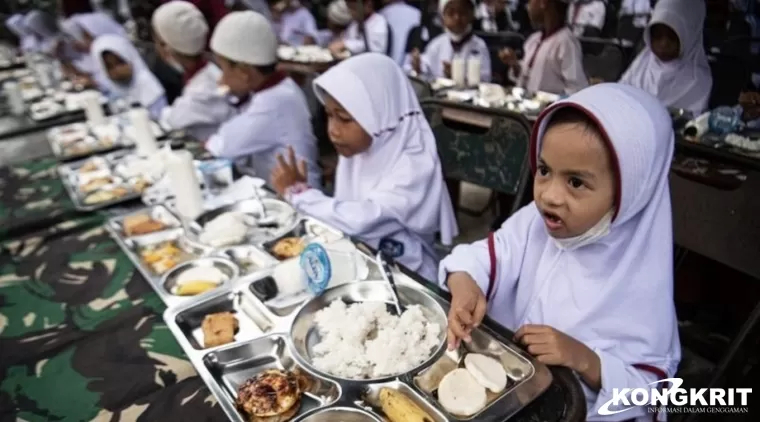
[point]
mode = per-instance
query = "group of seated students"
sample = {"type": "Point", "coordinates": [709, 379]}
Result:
{"type": "Point", "coordinates": [568, 273]}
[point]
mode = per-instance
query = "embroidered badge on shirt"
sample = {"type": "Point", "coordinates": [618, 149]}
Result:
{"type": "Point", "coordinates": [391, 247]}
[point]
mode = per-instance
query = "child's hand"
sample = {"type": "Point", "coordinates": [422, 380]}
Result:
{"type": "Point", "coordinates": [447, 69]}
{"type": "Point", "coordinates": [336, 47]}
{"type": "Point", "coordinates": [553, 347]}
{"type": "Point", "coordinates": [468, 307]}
{"type": "Point", "coordinates": [508, 56]}
{"type": "Point", "coordinates": [288, 173]}
{"type": "Point", "coordinates": [416, 60]}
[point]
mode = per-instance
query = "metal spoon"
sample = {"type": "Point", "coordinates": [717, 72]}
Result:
{"type": "Point", "coordinates": [388, 277]}
{"type": "Point", "coordinates": [265, 219]}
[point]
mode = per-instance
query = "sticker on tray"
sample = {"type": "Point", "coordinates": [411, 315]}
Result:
{"type": "Point", "coordinates": [315, 264]}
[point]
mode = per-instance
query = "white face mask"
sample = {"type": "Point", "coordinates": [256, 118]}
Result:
{"type": "Point", "coordinates": [600, 229]}
{"type": "Point", "coordinates": [458, 37]}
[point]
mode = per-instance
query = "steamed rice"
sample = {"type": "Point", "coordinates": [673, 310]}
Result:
{"type": "Point", "coordinates": [363, 340]}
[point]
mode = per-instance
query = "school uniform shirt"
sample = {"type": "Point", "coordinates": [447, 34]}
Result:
{"type": "Point", "coordinates": [552, 63]}
{"type": "Point", "coordinates": [391, 196]}
{"type": "Point", "coordinates": [686, 81]}
{"type": "Point", "coordinates": [586, 14]}
{"type": "Point", "coordinates": [295, 25]}
{"type": "Point", "coordinates": [274, 118]}
{"type": "Point", "coordinates": [441, 49]}
{"type": "Point", "coordinates": [377, 35]}
{"type": "Point", "coordinates": [143, 89]}
{"type": "Point", "coordinates": [200, 109]}
{"type": "Point", "coordinates": [402, 18]}
{"type": "Point", "coordinates": [612, 291]}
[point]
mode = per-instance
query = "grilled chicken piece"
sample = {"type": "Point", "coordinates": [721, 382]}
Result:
{"type": "Point", "coordinates": [270, 393]}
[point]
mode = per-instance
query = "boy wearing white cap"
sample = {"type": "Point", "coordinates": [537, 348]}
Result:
{"type": "Point", "coordinates": [274, 113]}
{"type": "Point", "coordinates": [180, 32]}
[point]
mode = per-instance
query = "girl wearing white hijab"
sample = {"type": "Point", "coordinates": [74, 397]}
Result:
{"type": "Point", "coordinates": [81, 30]}
{"type": "Point", "coordinates": [45, 29]}
{"type": "Point", "coordinates": [457, 39]}
{"type": "Point", "coordinates": [584, 274]}
{"type": "Point", "coordinates": [673, 66]}
{"type": "Point", "coordinates": [389, 189]}
{"type": "Point", "coordinates": [27, 42]}
{"type": "Point", "coordinates": [128, 76]}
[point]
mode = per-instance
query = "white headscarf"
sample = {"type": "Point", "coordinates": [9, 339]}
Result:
{"type": "Point", "coordinates": [41, 23]}
{"type": "Point", "coordinates": [96, 24]}
{"type": "Point", "coordinates": [44, 27]}
{"type": "Point", "coordinates": [27, 41]}
{"type": "Point", "coordinates": [686, 81]}
{"type": "Point", "coordinates": [144, 87]}
{"type": "Point", "coordinates": [401, 171]}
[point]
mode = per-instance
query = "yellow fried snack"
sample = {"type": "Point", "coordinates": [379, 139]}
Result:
{"type": "Point", "coordinates": [192, 288]}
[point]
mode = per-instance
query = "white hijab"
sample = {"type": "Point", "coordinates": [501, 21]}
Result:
{"type": "Point", "coordinates": [144, 87]}
{"type": "Point", "coordinates": [401, 171]}
{"type": "Point", "coordinates": [27, 40]}
{"type": "Point", "coordinates": [96, 24]}
{"type": "Point", "coordinates": [686, 81]}
{"type": "Point", "coordinates": [44, 27]}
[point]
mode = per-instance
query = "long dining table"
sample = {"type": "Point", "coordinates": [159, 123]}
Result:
{"type": "Point", "coordinates": [81, 332]}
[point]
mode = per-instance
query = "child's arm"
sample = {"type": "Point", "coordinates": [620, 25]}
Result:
{"type": "Point", "coordinates": [245, 134]}
{"type": "Point", "coordinates": [509, 246]}
{"type": "Point", "coordinates": [355, 218]}
{"type": "Point", "coordinates": [485, 62]}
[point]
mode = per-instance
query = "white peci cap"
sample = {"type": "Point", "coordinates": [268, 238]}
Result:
{"type": "Point", "coordinates": [245, 37]}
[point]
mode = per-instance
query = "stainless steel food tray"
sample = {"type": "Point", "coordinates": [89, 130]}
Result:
{"type": "Point", "coordinates": [131, 245]}
{"type": "Point", "coordinates": [66, 170]}
{"type": "Point", "coordinates": [263, 342]}
{"type": "Point", "coordinates": [121, 142]}
{"type": "Point", "coordinates": [308, 229]}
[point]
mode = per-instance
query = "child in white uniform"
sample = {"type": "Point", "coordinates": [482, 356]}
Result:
{"type": "Point", "coordinates": [389, 189]}
{"type": "Point", "coordinates": [584, 274]}
{"type": "Point", "coordinates": [457, 39]}
{"type": "Point", "coordinates": [553, 60]}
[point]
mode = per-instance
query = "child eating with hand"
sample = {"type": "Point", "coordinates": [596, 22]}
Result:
{"type": "Point", "coordinates": [389, 189]}
{"type": "Point", "coordinates": [584, 274]}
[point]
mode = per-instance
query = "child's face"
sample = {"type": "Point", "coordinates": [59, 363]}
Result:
{"type": "Point", "coordinates": [535, 10]}
{"type": "Point", "coordinates": [353, 7]}
{"type": "Point", "coordinates": [574, 184]}
{"type": "Point", "coordinates": [458, 16]}
{"type": "Point", "coordinates": [664, 42]}
{"type": "Point", "coordinates": [235, 76]}
{"type": "Point", "coordinates": [118, 69]}
{"type": "Point", "coordinates": [346, 134]}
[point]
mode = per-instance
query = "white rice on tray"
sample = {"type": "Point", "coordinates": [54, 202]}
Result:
{"type": "Point", "coordinates": [398, 344]}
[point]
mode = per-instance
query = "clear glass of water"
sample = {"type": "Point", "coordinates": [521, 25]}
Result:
{"type": "Point", "coordinates": [217, 174]}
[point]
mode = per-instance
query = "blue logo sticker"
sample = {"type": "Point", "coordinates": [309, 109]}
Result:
{"type": "Point", "coordinates": [315, 265]}
{"type": "Point", "coordinates": [391, 248]}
